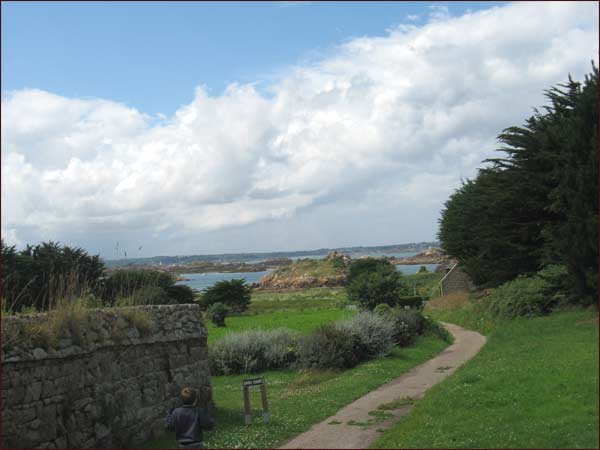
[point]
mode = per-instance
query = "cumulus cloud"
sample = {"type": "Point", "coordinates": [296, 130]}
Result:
{"type": "Point", "coordinates": [400, 117]}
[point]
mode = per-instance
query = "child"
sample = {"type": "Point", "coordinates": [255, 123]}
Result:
{"type": "Point", "coordinates": [188, 422]}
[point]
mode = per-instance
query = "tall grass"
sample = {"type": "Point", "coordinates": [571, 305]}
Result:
{"type": "Point", "coordinates": [70, 320]}
{"type": "Point", "coordinates": [52, 292]}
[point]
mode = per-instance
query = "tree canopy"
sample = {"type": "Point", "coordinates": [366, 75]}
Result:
{"type": "Point", "coordinates": [538, 203]}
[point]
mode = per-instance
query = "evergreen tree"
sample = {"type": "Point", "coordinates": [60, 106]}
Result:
{"type": "Point", "coordinates": [538, 204]}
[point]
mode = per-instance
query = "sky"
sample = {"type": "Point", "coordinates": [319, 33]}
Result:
{"type": "Point", "coordinates": [188, 128]}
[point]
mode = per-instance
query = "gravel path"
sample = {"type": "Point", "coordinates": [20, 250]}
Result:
{"type": "Point", "coordinates": [353, 426]}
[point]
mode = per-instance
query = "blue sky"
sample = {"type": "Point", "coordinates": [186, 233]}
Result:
{"type": "Point", "coordinates": [188, 128]}
{"type": "Point", "coordinates": [151, 55]}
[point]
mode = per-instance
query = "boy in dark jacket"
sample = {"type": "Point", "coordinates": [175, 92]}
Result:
{"type": "Point", "coordinates": [187, 421]}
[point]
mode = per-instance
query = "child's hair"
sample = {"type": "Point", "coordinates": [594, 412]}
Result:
{"type": "Point", "coordinates": [188, 396]}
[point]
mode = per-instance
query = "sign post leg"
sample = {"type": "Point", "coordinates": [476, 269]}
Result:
{"type": "Point", "coordinates": [265, 404]}
{"type": "Point", "coordinates": [247, 410]}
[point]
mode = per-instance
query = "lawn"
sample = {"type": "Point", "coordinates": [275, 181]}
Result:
{"type": "Point", "coordinates": [303, 321]}
{"type": "Point", "coordinates": [533, 385]}
{"type": "Point", "coordinates": [267, 301]}
{"type": "Point", "coordinates": [424, 284]}
{"type": "Point", "coordinates": [299, 399]}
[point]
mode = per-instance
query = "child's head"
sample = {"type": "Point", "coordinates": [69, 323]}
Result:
{"type": "Point", "coordinates": [188, 396]}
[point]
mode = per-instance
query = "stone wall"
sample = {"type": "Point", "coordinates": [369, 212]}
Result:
{"type": "Point", "coordinates": [456, 280]}
{"type": "Point", "coordinates": [105, 380]}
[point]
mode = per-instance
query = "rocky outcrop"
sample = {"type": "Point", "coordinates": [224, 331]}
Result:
{"type": "Point", "coordinates": [274, 281]}
{"type": "Point", "coordinates": [327, 272]}
{"type": "Point", "coordinates": [339, 256]}
{"type": "Point", "coordinates": [106, 385]}
{"type": "Point", "coordinates": [431, 256]}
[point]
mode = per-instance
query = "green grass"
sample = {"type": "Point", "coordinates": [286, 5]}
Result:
{"type": "Point", "coordinates": [310, 267]}
{"type": "Point", "coordinates": [471, 317]}
{"type": "Point", "coordinates": [463, 309]}
{"type": "Point", "coordinates": [426, 284]}
{"type": "Point", "coordinates": [264, 301]}
{"type": "Point", "coordinates": [534, 384]}
{"type": "Point", "coordinates": [303, 321]}
{"type": "Point", "coordinates": [297, 400]}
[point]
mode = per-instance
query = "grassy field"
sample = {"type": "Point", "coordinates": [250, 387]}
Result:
{"type": "Point", "coordinates": [533, 385]}
{"type": "Point", "coordinates": [303, 321]}
{"type": "Point", "coordinates": [319, 298]}
{"type": "Point", "coordinates": [424, 284]}
{"type": "Point", "coordinates": [299, 399]}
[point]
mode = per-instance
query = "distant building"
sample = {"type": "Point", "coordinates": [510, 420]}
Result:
{"type": "Point", "coordinates": [455, 280]}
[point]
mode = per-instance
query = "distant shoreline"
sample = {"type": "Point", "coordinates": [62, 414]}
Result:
{"type": "Point", "coordinates": [264, 257]}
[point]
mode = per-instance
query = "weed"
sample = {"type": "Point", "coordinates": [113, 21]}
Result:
{"type": "Point", "coordinates": [380, 415]}
{"type": "Point", "coordinates": [138, 318]}
{"type": "Point", "coordinates": [396, 404]}
{"type": "Point", "coordinates": [354, 423]}
{"type": "Point", "coordinates": [312, 377]}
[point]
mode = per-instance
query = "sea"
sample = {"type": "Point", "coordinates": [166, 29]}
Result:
{"type": "Point", "coordinates": [202, 281]}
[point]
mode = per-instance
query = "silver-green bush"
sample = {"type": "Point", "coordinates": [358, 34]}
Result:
{"type": "Point", "coordinates": [252, 351]}
{"type": "Point", "coordinates": [375, 333]}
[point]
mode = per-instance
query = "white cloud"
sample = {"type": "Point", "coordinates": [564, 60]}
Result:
{"type": "Point", "coordinates": [400, 117]}
{"type": "Point", "coordinates": [293, 3]}
{"type": "Point", "coordinates": [438, 12]}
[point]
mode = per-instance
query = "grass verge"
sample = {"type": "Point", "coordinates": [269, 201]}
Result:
{"type": "Point", "coordinates": [297, 400]}
{"type": "Point", "coordinates": [462, 309]}
{"type": "Point", "coordinates": [533, 385]}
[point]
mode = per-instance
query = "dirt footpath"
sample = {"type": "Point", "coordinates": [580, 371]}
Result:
{"type": "Point", "coordinates": [357, 425]}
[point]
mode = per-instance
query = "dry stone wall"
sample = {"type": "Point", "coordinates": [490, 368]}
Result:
{"type": "Point", "coordinates": [456, 281]}
{"type": "Point", "coordinates": [107, 384]}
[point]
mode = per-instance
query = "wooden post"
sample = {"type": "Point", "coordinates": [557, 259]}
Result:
{"type": "Point", "coordinates": [247, 384]}
{"type": "Point", "coordinates": [265, 404]}
{"type": "Point", "coordinates": [247, 410]}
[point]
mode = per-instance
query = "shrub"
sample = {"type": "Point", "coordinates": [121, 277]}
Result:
{"type": "Point", "coordinates": [409, 301]}
{"type": "Point", "coordinates": [181, 293]}
{"type": "Point", "coordinates": [42, 275]}
{"type": "Point", "coordinates": [383, 309]}
{"type": "Point", "coordinates": [529, 296]}
{"type": "Point", "coordinates": [217, 313]}
{"type": "Point", "coordinates": [373, 281]}
{"type": "Point", "coordinates": [346, 343]}
{"type": "Point", "coordinates": [252, 351]}
{"type": "Point", "coordinates": [233, 293]}
{"type": "Point", "coordinates": [329, 347]}
{"type": "Point", "coordinates": [423, 269]}
{"type": "Point", "coordinates": [375, 333]}
{"type": "Point", "coordinates": [434, 328]}
{"type": "Point", "coordinates": [408, 324]}
{"type": "Point", "coordinates": [367, 265]}
{"type": "Point", "coordinates": [124, 283]}
{"type": "Point", "coordinates": [148, 295]}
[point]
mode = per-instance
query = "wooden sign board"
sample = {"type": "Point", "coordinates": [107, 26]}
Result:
{"type": "Point", "coordinates": [254, 381]}
{"type": "Point", "coordinates": [247, 384]}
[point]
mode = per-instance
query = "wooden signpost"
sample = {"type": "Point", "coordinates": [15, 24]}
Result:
{"type": "Point", "coordinates": [248, 383]}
